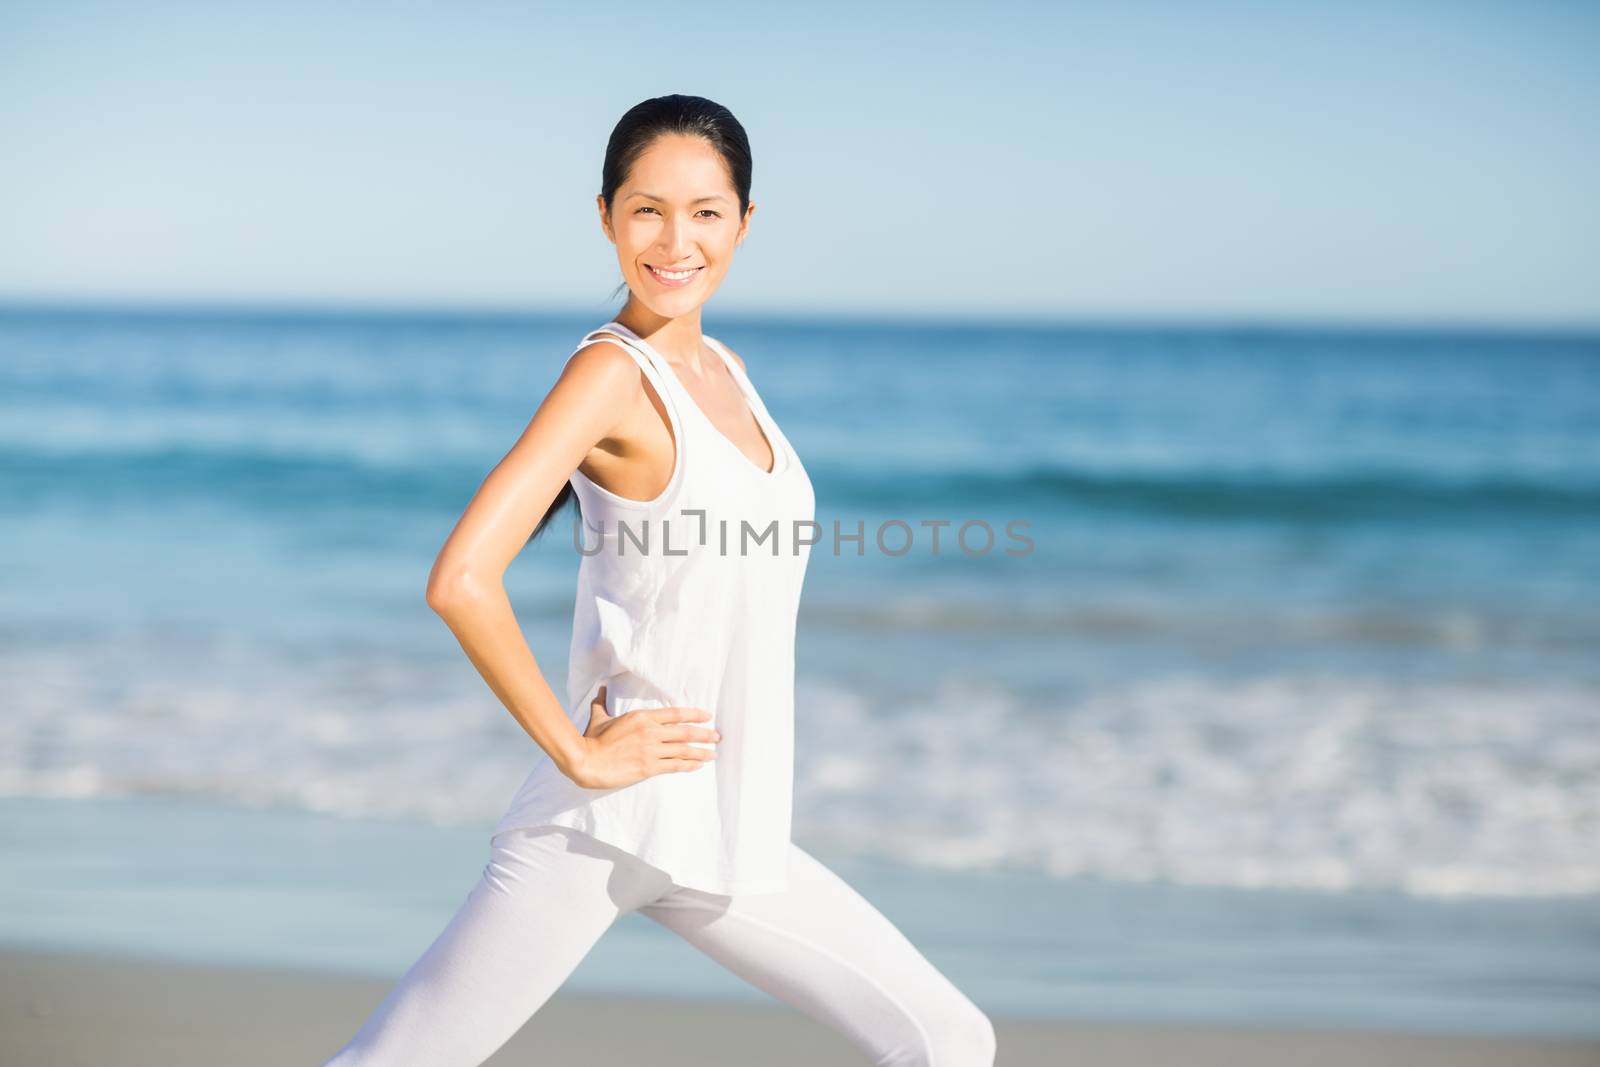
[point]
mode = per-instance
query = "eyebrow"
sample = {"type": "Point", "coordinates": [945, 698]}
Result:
{"type": "Point", "coordinates": [662, 199]}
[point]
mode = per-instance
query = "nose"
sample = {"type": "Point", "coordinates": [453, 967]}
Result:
{"type": "Point", "coordinates": [674, 245]}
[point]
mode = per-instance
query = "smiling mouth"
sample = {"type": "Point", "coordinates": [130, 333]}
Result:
{"type": "Point", "coordinates": [674, 275]}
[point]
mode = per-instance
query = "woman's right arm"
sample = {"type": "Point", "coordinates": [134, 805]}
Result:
{"type": "Point", "coordinates": [592, 398]}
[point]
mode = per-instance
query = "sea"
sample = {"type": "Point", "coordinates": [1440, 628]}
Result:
{"type": "Point", "coordinates": [1241, 673]}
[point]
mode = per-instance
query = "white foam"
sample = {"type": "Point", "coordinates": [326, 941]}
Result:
{"type": "Point", "coordinates": [1315, 781]}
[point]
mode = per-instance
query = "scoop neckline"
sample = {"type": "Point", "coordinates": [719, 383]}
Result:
{"type": "Point", "coordinates": [780, 454]}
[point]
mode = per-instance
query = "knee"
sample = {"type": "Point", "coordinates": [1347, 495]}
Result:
{"type": "Point", "coordinates": [962, 1036]}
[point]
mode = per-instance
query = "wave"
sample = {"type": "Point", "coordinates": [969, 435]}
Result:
{"type": "Point", "coordinates": [284, 479]}
{"type": "Point", "coordinates": [1334, 782]}
{"type": "Point", "coordinates": [1252, 625]}
{"type": "Point", "coordinates": [310, 476]}
{"type": "Point", "coordinates": [1210, 494]}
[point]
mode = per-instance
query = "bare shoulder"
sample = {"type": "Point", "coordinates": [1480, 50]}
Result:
{"type": "Point", "coordinates": [602, 357]}
{"type": "Point", "coordinates": [600, 381]}
{"type": "Point", "coordinates": [606, 365]}
{"type": "Point", "coordinates": [734, 354]}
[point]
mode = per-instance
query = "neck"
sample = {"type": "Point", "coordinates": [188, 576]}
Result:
{"type": "Point", "coordinates": [677, 340]}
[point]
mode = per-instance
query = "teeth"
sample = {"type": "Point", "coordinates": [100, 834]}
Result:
{"type": "Point", "coordinates": [675, 276]}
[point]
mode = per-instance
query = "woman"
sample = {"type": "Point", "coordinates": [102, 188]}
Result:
{"type": "Point", "coordinates": [665, 782]}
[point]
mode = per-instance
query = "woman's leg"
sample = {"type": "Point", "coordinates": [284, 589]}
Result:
{"type": "Point", "coordinates": [823, 948]}
{"type": "Point", "coordinates": [542, 901]}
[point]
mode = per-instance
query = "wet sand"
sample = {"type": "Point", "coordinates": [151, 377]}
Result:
{"type": "Point", "coordinates": [76, 1009]}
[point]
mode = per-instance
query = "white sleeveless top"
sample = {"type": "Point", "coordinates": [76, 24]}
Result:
{"type": "Point", "coordinates": [690, 600]}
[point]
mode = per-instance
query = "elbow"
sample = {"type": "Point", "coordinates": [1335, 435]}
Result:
{"type": "Point", "coordinates": [438, 595]}
{"type": "Point", "coordinates": [448, 591]}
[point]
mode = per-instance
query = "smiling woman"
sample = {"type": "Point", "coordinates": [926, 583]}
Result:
{"type": "Point", "coordinates": [677, 221]}
{"type": "Point", "coordinates": [704, 187]}
{"type": "Point", "coordinates": [665, 783]}
{"type": "Point", "coordinates": [674, 198]}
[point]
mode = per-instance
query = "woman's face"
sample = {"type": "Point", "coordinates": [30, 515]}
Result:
{"type": "Point", "coordinates": [677, 211]}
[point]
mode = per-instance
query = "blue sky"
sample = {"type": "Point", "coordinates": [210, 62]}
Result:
{"type": "Point", "coordinates": [1370, 162]}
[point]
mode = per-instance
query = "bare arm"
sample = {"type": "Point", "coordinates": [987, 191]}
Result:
{"type": "Point", "coordinates": [593, 395]}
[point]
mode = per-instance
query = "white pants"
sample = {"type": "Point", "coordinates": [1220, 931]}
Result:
{"type": "Point", "coordinates": [547, 895]}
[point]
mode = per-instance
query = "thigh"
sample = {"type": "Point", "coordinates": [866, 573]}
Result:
{"type": "Point", "coordinates": [823, 948]}
{"type": "Point", "coordinates": [543, 899]}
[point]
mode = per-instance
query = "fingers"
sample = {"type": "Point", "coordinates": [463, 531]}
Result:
{"type": "Point", "coordinates": [672, 766]}
{"type": "Point", "coordinates": [684, 750]}
{"type": "Point", "coordinates": [671, 724]}
{"type": "Point", "coordinates": [689, 733]}
{"type": "Point", "coordinates": [681, 752]}
{"type": "Point", "coordinates": [671, 715]}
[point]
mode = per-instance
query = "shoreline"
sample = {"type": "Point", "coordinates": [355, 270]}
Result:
{"type": "Point", "coordinates": [201, 883]}
{"type": "Point", "coordinates": [74, 1007]}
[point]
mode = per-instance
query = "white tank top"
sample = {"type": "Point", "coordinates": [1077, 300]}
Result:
{"type": "Point", "coordinates": [690, 600]}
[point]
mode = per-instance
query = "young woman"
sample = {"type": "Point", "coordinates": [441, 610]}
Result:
{"type": "Point", "coordinates": [665, 780]}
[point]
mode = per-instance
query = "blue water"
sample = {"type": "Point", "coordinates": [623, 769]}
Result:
{"type": "Point", "coordinates": [1303, 611]}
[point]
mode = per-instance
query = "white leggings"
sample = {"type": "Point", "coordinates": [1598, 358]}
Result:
{"type": "Point", "coordinates": [547, 895]}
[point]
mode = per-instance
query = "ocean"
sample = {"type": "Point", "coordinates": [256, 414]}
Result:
{"type": "Point", "coordinates": [1270, 629]}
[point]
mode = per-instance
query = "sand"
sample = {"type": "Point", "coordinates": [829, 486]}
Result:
{"type": "Point", "coordinates": [78, 1009]}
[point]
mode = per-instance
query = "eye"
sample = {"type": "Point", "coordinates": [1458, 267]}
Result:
{"type": "Point", "coordinates": [707, 211]}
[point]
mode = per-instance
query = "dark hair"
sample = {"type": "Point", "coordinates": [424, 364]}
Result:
{"type": "Point", "coordinates": [660, 116]}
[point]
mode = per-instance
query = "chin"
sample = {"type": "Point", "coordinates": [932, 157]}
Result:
{"type": "Point", "coordinates": [672, 307]}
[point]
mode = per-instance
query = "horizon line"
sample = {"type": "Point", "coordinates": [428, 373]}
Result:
{"type": "Point", "coordinates": [422, 310]}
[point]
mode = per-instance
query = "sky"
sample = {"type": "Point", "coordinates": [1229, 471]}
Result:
{"type": "Point", "coordinates": [1392, 163]}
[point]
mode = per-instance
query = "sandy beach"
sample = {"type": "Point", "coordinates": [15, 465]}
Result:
{"type": "Point", "coordinates": [65, 1009]}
